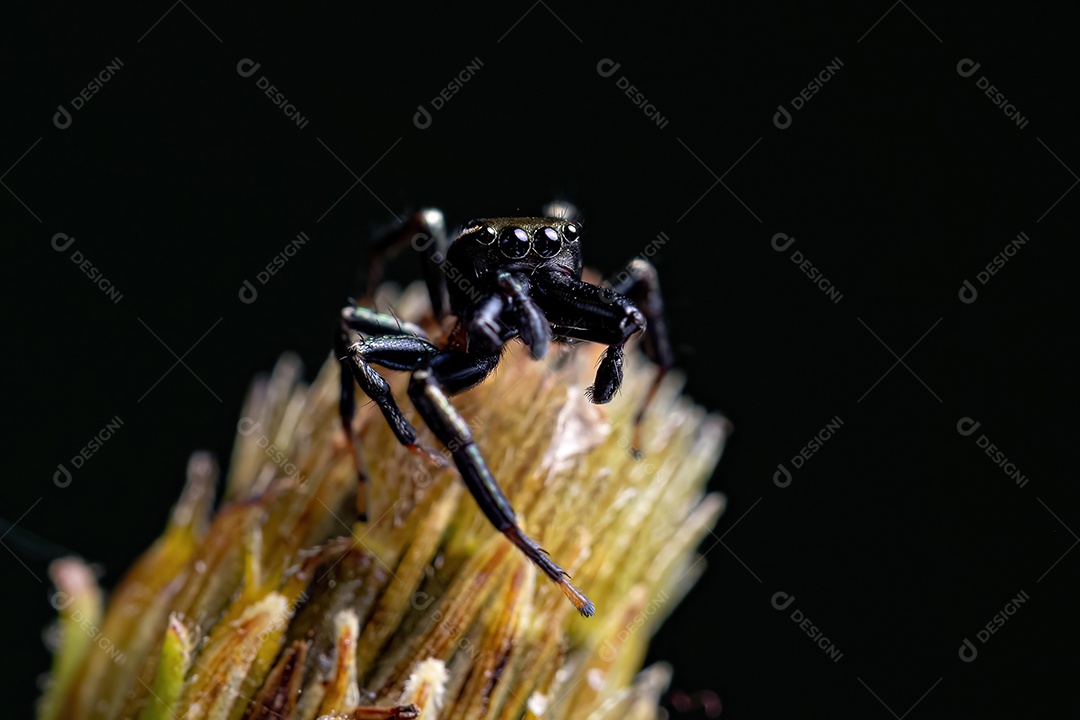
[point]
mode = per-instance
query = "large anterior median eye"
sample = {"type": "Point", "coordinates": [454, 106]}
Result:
{"type": "Point", "coordinates": [514, 242]}
{"type": "Point", "coordinates": [547, 243]}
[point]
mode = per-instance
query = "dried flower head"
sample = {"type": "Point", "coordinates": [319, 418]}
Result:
{"type": "Point", "coordinates": [279, 606]}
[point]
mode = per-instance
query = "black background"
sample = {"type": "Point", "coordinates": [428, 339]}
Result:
{"type": "Point", "coordinates": [899, 180]}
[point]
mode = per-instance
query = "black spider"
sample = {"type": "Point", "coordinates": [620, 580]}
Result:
{"type": "Point", "coordinates": [508, 278]}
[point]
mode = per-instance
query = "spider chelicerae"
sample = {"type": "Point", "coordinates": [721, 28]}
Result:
{"type": "Point", "coordinates": [512, 278]}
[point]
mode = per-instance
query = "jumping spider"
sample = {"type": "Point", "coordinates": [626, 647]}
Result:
{"type": "Point", "coordinates": [514, 277]}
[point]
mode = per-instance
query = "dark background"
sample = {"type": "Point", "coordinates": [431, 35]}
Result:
{"type": "Point", "coordinates": [900, 179]}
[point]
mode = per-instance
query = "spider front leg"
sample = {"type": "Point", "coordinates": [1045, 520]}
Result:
{"type": "Point", "coordinates": [444, 420]}
{"type": "Point", "coordinates": [368, 322]}
{"type": "Point", "coordinates": [403, 352]}
{"type": "Point", "coordinates": [510, 312]}
{"type": "Point", "coordinates": [396, 352]}
{"type": "Point", "coordinates": [533, 327]}
{"type": "Point", "coordinates": [580, 310]}
{"type": "Point", "coordinates": [642, 285]}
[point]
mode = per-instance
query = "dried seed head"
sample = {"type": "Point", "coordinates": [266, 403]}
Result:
{"type": "Point", "coordinates": [280, 605]}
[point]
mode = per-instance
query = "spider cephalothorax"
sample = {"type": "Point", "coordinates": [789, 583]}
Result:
{"type": "Point", "coordinates": [516, 245]}
{"type": "Point", "coordinates": [503, 278]}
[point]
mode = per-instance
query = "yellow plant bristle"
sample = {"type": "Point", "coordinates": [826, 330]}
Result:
{"type": "Point", "coordinates": [281, 604]}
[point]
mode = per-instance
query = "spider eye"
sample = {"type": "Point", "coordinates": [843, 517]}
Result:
{"type": "Point", "coordinates": [481, 232]}
{"type": "Point", "coordinates": [572, 232]}
{"type": "Point", "coordinates": [514, 242]}
{"type": "Point", "coordinates": [547, 243]}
